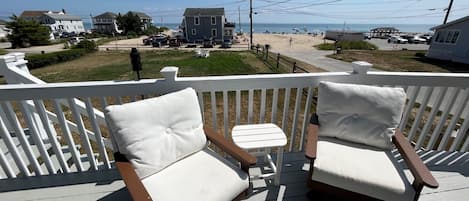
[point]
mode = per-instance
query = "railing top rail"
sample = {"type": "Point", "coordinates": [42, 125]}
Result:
{"type": "Point", "coordinates": [220, 83]}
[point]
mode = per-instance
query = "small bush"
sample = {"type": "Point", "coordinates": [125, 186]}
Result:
{"type": "Point", "coordinates": [2, 52]}
{"type": "Point", "coordinates": [420, 54]}
{"type": "Point", "coordinates": [40, 60]}
{"type": "Point", "coordinates": [88, 45]}
{"type": "Point", "coordinates": [3, 40]}
{"type": "Point", "coordinates": [132, 34]}
{"type": "Point", "coordinates": [348, 45]}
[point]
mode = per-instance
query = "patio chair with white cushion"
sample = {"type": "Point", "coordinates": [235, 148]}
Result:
{"type": "Point", "coordinates": [163, 154]}
{"type": "Point", "coordinates": [350, 143]}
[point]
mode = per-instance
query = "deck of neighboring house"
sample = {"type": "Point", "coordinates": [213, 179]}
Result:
{"type": "Point", "coordinates": [451, 169]}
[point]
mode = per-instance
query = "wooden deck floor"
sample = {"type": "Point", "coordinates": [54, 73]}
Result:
{"type": "Point", "coordinates": [450, 169]}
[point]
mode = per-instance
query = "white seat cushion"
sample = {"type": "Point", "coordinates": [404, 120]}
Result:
{"type": "Point", "coordinates": [362, 169]}
{"type": "Point", "coordinates": [201, 176]}
{"type": "Point", "coordinates": [360, 113]}
{"type": "Point", "coordinates": [157, 132]}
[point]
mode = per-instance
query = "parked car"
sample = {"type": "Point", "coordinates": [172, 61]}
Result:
{"type": "Point", "coordinates": [76, 40]}
{"type": "Point", "coordinates": [149, 40]}
{"type": "Point", "coordinates": [159, 41]}
{"type": "Point", "coordinates": [207, 43]}
{"type": "Point", "coordinates": [226, 43]}
{"type": "Point", "coordinates": [174, 42]}
{"type": "Point", "coordinates": [397, 39]}
{"type": "Point", "coordinates": [414, 39]}
{"type": "Point", "coordinates": [191, 45]}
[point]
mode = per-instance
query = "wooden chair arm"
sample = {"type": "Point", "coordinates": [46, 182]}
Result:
{"type": "Point", "coordinates": [230, 148]}
{"type": "Point", "coordinates": [419, 170]}
{"type": "Point", "coordinates": [312, 141]}
{"type": "Point", "coordinates": [131, 179]}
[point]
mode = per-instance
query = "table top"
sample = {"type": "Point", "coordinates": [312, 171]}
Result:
{"type": "Point", "coordinates": [253, 136]}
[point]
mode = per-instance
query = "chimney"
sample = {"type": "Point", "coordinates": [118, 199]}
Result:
{"type": "Point", "coordinates": [63, 11]}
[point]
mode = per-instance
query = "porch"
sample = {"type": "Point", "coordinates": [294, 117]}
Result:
{"type": "Point", "coordinates": [55, 143]}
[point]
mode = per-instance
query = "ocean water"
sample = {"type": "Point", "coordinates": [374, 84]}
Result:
{"type": "Point", "coordinates": [313, 28]}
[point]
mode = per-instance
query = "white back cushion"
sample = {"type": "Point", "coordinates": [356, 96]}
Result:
{"type": "Point", "coordinates": [360, 113]}
{"type": "Point", "coordinates": [157, 132]}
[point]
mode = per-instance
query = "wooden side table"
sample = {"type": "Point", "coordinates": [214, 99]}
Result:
{"type": "Point", "coordinates": [261, 138]}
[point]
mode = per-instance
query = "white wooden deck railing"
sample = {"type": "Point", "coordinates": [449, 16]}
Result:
{"type": "Point", "coordinates": [435, 116]}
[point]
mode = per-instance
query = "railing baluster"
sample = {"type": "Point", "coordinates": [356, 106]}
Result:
{"type": "Point", "coordinates": [286, 105]}
{"type": "Point", "coordinates": [83, 136]}
{"type": "Point", "coordinates": [250, 105]}
{"type": "Point", "coordinates": [113, 140]}
{"type": "Point", "coordinates": [34, 133]}
{"type": "Point", "coordinates": [7, 139]}
{"type": "Point", "coordinates": [225, 113]}
{"type": "Point", "coordinates": [262, 107]}
{"type": "Point", "coordinates": [461, 133]}
{"type": "Point", "coordinates": [13, 119]}
{"type": "Point", "coordinates": [436, 132]}
{"type": "Point", "coordinates": [435, 108]}
{"type": "Point", "coordinates": [213, 100]}
{"type": "Point", "coordinates": [6, 166]}
{"type": "Point", "coordinates": [306, 117]}
{"type": "Point", "coordinates": [238, 106]}
{"type": "Point", "coordinates": [103, 103]}
{"type": "Point", "coordinates": [420, 113]}
{"type": "Point", "coordinates": [408, 108]}
{"type": "Point", "coordinates": [97, 133]}
{"type": "Point", "coordinates": [454, 120]}
{"type": "Point", "coordinates": [118, 100]}
{"type": "Point", "coordinates": [273, 118]}
{"type": "Point", "coordinates": [67, 135]}
{"type": "Point", "coordinates": [50, 131]}
{"type": "Point", "coordinates": [200, 96]}
{"type": "Point", "coordinates": [465, 147]}
{"type": "Point", "coordinates": [296, 112]}
{"type": "Point", "coordinates": [133, 98]}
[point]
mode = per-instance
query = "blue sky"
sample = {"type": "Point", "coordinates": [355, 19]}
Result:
{"type": "Point", "coordinates": [268, 11]}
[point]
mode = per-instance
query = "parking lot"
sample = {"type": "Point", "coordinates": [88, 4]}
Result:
{"type": "Point", "coordinates": [384, 45]}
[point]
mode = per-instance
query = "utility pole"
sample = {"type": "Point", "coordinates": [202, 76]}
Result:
{"type": "Point", "coordinates": [250, 18]}
{"type": "Point", "coordinates": [447, 11]}
{"type": "Point", "coordinates": [239, 19]}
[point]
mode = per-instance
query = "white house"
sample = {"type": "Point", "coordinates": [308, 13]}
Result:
{"type": "Point", "coordinates": [106, 23]}
{"type": "Point", "coordinates": [58, 22]}
{"type": "Point", "coordinates": [451, 41]}
{"type": "Point", "coordinates": [3, 30]}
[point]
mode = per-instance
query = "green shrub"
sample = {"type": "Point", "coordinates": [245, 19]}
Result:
{"type": "Point", "coordinates": [88, 45]}
{"type": "Point", "coordinates": [2, 52]}
{"type": "Point", "coordinates": [132, 34]}
{"type": "Point", "coordinates": [40, 60]}
{"type": "Point", "coordinates": [348, 45]}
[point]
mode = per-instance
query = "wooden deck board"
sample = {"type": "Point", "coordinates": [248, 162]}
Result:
{"type": "Point", "coordinates": [450, 169]}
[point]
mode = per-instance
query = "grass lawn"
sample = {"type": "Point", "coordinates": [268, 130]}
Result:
{"type": "Point", "coordinates": [114, 65]}
{"type": "Point", "coordinates": [405, 60]}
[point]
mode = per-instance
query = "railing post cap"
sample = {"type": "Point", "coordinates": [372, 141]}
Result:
{"type": "Point", "coordinates": [7, 58]}
{"type": "Point", "coordinates": [170, 72]}
{"type": "Point", "coordinates": [361, 67]}
{"type": "Point", "coordinates": [18, 55]}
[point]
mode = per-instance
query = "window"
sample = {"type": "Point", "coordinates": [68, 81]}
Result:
{"type": "Point", "coordinates": [196, 21]}
{"type": "Point", "coordinates": [455, 37]}
{"type": "Point", "coordinates": [447, 36]}
{"type": "Point", "coordinates": [214, 20]}
{"type": "Point", "coordinates": [194, 32]}
{"type": "Point", "coordinates": [214, 32]}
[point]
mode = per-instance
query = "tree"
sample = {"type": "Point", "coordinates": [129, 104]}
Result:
{"type": "Point", "coordinates": [129, 23]}
{"type": "Point", "coordinates": [25, 33]}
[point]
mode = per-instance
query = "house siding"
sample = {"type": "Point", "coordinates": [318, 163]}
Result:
{"type": "Point", "coordinates": [204, 29]}
{"type": "Point", "coordinates": [457, 52]}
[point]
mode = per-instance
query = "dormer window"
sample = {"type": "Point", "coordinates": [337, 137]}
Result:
{"type": "Point", "coordinates": [214, 20]}
{"type": "Point", "coordinates": [196, 20]}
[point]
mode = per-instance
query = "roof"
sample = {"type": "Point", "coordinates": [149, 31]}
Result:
{"type": "Point", "coordinates": [58, 16]}
{"type": "Point", "coordinates": [204, 11]}
{"type": "Point", "coordinates": [141, 15]}
{"type": "Point", "coordinates": [460, 20]}
{"type": "Point", "coordinates": [33, 13]}
{"type": "Point", "coordinates": [106, 15]}
{"type": "Point", "coordinates": [384, 29]}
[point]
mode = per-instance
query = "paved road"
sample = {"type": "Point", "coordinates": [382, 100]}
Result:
{"type": "Point", "coordinates": [39, 49]}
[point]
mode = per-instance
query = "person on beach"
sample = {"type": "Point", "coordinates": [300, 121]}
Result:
{"type": "Point", "coordinates": [291, 40]}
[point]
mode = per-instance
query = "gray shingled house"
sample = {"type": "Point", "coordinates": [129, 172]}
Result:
{"type": "Point", "coordinates": [201, 23]}
{"type": "Point", "coordinates": [451, 41]}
